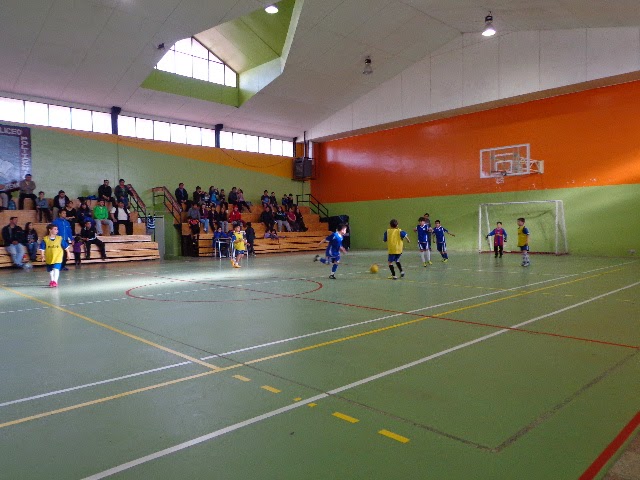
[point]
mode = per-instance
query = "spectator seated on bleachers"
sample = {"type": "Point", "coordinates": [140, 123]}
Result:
{"type": "Point", "coordinates": [285, 201]}
{"type": "Point", "coordinates": [235, 217]}
{"type": "Point", "coordinates": [121, 216]}
{"type": "Point", "coordinates": [242, 202]}
{"type": "Point", "coordinates": [101, 217]}
{"type": "Point", "coordinates": [265, 199]}
{"type": "Point", "coordinates": [233, 197]}
{"type": "Point", "coordinates": [27, 187]}
{"type": "Point", "coordinates": [181, 194]}
{"type": "Point", "coordinates": [273, 201]}
{"type": "Point", "coordinates": [205, 211]}
{"type": "Point", "coordinates": [122, 193]}
{"type": "Point", "coordinates": [106, 193]}
{"type": "Point", "coordinates": [13, 237]}
{"type": "Point", "coordinates": [31, 241]}
{"type": "Point", "coordinates": [84, 214]}
{"type": "Point", "coordinates": [89, 236]}
{"type": "Point", "coordinates": [198, 195]}
{"type": "Point", "coordinates": [281, 219]}
{"type": "Point", "coordinates": [291, 218]}
{"type": "Point", "coordinates": [59, 202]}
{"type": "Point", "coordinates": [213, 195]}
{"type": "Point", "coordinates": [72, 215]}
{"type": "Point", "coordinates": [42, 207]}
{"type": "Point", "coordinates": [273, 235]}
{"type": "Point", "coordinates": [221, 242]}
{"type": "Point", "coordinates": [266, 218]}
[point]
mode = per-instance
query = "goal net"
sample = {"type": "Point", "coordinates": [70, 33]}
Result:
{"type": "Point", "coordinates": [544, 219]}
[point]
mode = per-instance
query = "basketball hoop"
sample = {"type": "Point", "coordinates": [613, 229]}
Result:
{"type": "Point", "coordinates": [500, 179]}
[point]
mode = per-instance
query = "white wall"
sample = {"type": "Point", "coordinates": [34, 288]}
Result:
{"type": "Point", "coordinates": [471, 70]}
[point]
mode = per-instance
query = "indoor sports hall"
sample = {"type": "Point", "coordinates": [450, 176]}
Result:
{"type": "Point", "coordinates": [504, 342]}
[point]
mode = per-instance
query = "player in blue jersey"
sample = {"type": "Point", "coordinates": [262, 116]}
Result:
{"type": "Point", "coordinates": [439, 231]}
{"type": "Point", "coordinates": [332, 254]}
{"type": "Point", "coordinates": [424, 240]}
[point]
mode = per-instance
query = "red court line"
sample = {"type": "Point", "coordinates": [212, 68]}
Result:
{"type": "Point", "coordinates": [606, 455]}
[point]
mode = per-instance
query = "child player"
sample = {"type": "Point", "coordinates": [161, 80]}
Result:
{"type": "Point", "coordinates": [499, 235]}
{"type": "Point", "coordinates": [238, 239]}
{"type": "Point", "coordinates": [424, 240]}
{"type": "Point", "coordinates": [332, 254]}
{"type": "Point", "coordinates": [439, 231]}
{"type": "Point", "coordinates": [52, 250]}
{"type": "Point", "coordinates": [394, 237]}
{"type": "Point", "coordinates": [523, 242]}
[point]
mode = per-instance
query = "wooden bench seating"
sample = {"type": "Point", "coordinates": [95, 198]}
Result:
{"type": "Point", "coordinates": [119, 248]}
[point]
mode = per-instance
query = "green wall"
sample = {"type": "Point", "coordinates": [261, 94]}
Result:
{"type": "Point", "coordinates": [599, 220]}
{"type": "Point", "coordinates": [78, 165]}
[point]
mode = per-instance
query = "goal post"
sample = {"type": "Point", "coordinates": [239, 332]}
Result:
{"type": "Point", "coordinates": [544, 219]}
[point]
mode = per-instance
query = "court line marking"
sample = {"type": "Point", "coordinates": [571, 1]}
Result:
{"type": "Point", "coordinates": [344, 417]}
{"type": "Point", "coordinates": [114, 329]}
{"type": "Point", "coordinates": [270, 389]}
{"type": "Point", "coordinates": [394, 436]}
{"type": "Point", "coordinates": [56, 392]}
{"type": "Point", "coordinates": [335, 391]}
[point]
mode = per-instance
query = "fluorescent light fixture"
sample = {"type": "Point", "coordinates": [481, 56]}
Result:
{"type": "Point", "coordinates": [488, 31]}
{"type": "Point", "coordinates": [271, 9]}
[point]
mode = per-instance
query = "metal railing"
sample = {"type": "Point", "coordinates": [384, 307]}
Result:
{"type": "Point", "coordinates": [314, 204]}
{"type": "Point", "coordinates": [136, 202]}
{"type": "Point", "coordinates": [169, 202]}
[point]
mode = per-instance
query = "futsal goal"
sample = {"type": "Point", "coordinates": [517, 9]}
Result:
{"type": "Point", "coordinates": [543, 218]}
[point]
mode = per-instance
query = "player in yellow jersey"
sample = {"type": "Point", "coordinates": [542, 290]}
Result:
{"type": "Point", "coordinates": [523, 242]}
{"type": "Point", "coordinates": [238, 240]}
{"type": "Point", "coordinates": [52, 250]}
{"type": "Point", "coordinates": [394, 238]}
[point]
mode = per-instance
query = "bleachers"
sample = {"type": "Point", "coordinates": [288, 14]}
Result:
{"type": "Point", "coordinates": [288, 241]}
{"type": "Point", "coordinates": [119, 248]}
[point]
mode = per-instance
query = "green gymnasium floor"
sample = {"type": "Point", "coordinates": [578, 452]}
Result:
{"type": "Point", "coordinates": [474, 369]}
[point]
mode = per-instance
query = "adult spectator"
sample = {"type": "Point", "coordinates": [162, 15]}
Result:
{"type": "Point", "coordinates": [84, 214]}
{"type": "Point", "coordinates": [281, 219]}
{"type": "Point", "coordinates": [266, 217]}
{"type": "Point", "coordinates": [273, 201]}
{"type": "Point", "coordinates": [233, 197]}
{"type": "Point", "coordinates": [59, 202]}
{"type": "Point", "coordinates": [213, 194]}
{"type": "Point", "coordinates": [30, 237]}
{"type": "Point", "coordinates": [106, 193]}
{"type": "Point", "coordinates": [64, 230]}
{"type": "Point", "coordinates": [299, 220]}
{"type": "Point", "coordinates": [101, 217]}
{"type": "Point", "coordinates": [122, 193]}
{"type": "Point", "coordinates": [27, 186]}
{"type": "Point", "coordinates": [42, 207]}
{"type": "Point", "coordinates": [181, 194]}
{"type": "Point", "coordinates": [242, 202]}
{"type": "Point", "coordinates": [291, 218]}
{"type": "Point", "coordinates": [13, 237]}
{"type": "Point", "coordinates": [222, 197]}
{"type": "Point", "coordinates": [72, 215]}
{"type": "Point", "coordinates": [89, 236]}
{"type": "Point", "coordinates": [197, 195]}
{"type": "Point", "coordinates": [285, 201]}
{"type": "Point", "coordinates": [290, 201]}
{"type": "Point", "coordinates": [235, 217]}
{"type": "Point", "coordinates": [120, 216]}
{"type": "Point", "coordinates": [265, 199]}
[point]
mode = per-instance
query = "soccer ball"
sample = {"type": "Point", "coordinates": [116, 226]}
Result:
{"type": "Point", "coordinates": [374, 268]}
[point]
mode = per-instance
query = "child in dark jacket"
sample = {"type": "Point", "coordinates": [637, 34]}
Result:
{"type": "Point", "coordinates": [250, 234]}
{"type": "Point", "coordinates": [77, 250]}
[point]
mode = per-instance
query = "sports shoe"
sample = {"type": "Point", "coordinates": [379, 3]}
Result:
{"type": "Point", "coordinates": [332, 276]}
{"type": "Point", "coordinates": [445, 260]}
{"type": "Point", "coordinates": [27, 266]}
{"type": "Point", "coordinates": [236, 265]}
{"type": "Point", "coordinates": [424, 264]}
{"type": "Point", "coordinates": [401, 274]}
{"type": "Point", "coordinates": [232, 262]}
{"type": "Point", "coordinates": [316, 258]}
{"type": "Point", "coordinates": [54, 284]}
{"type": "Point", "coordinates": [392, 277]}
{"type": "Point", "coordinates": [51, 283]}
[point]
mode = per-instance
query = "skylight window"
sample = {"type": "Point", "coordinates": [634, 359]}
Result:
{"type": "Point", "coordinates": [190, 58]}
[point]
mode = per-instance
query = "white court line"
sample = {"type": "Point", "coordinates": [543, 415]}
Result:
{"type": "Point", "coordinates": [273, 413]}
{"type": "Point", "coordinates": [290, 339]}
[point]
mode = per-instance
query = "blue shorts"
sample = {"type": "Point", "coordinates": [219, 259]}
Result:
{"type": "Point", "coordinates": [333, 258]}
{"type": "Point", "coordinates": [394, 257]}
{"type": "Point", "coordinates": [57, 266]}
{"type": "Point", "coordinates": [422, 246]}
{"type": "Point", "coordinates": [241, 252]}
{"type": "Point", "coordinates": [524, 248]}
{"type": "Point", "coordinates": [442, 247]}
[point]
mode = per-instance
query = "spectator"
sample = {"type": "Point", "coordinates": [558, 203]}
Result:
{"type": "Point", "coordinates": [13, 237]}
{"type": "Point", "coordinates": [290, 201]}
{"type": "Point", "coordinates": [233, 197]}
{"type": "Point", "coordinates": [105, 193]}
{"type": "Point", "coordinates": [72, 215]}
{"type": "Point", "coordinates": [31, 241]}
{"type": "Point", "coordinates": [84, 214]}
{"type": "Point", "coordinates": [266, 217]}
{"type": "Point", "coordinates": [204, 216]}
{"type": "Point", "coordinates": [101, 217]}
{"type": "Point", "coordinates": [42, 207]}
{"type": "Point", "coordinates": [235, 217]}
{"type": "Point", "coordinates": [89, 237]}
{"type": "Point", "coordinates": [197, 195]}
{"type": "Point", "coordinates": [5, 195]}
{"type": "Point", "coordinates": [213, 195]}
{"type": "Point", "coordinates": [242, 202]}
{"type": "Point", "coordinates": [122, 193]}
{"type": "Point", "coordinates": [224, 217]}
{"type": "Point", "coordinates": [221, 242]}
{"type": "Point", "coordinates": [285, 201]}
{"type": "Point", "coordinates": [181, 194]}
{"type": "Point", "coordinates": [281, 219]}
{"type": "Point", "coordinates": [59, 202]}
{"type": "Point", "coordinates": [299, 220]}
{"type": "Point", "coordinates": [27, 187]}
{"type": "Point", "coordinates": [265, 199]}
{"type": "Point", "coordinates": [250, 233]}
{"type": "Point", "coordinates": [291, 218]}
{"type": "Point", "coordinates": [120, 216]}
{"type": "Point", "coordinates": [222, 197]}
{"type": "Point", "coordinates": [273, 201]}
{"type": "Point", "coordinates": [76, 247]}
{"type": "Point", "coordinates": [194, 223]}
{"type": "Point", "coordinates": [64, 231]}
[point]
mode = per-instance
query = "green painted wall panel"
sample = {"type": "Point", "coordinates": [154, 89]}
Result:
{"type": "Point", "coordinates": [599, 220]}
{"type": "Point", "coordinates": [191, 87]}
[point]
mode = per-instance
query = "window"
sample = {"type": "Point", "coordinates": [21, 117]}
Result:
{"type": "Point", "coordinates": [226, 140]}
{"type": "Point", "coordinates": [101, 122]}
{"type": "Point", "coordinates": [127, 126]}
{"type": "Point", "coordinates": [36, 113]}
{"type": "Point", "coordinates": [208, 138]}
{"type": "Point", "coordinates": [194, 136]}
{"type": "Point", "coordinates": [190, 58]}
{"type": "Point", "coordinates": [264, 145]}
{"type": "Point", "coordinates": [287, 149]}
{"type": "Point", "coordinates": [11, 110]}
{"type": "Point", "coordinates": [162, 131]}
{"type": "Point", "coordinates": [252, 143]}
{"type": "Point", "coordinates": [178, 133]}
{"type": "Point", "coordinates": [81, 120]}
{"type": "Point", "coordinates": [144, 128]}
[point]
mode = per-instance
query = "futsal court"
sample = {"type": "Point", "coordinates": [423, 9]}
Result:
{"type": "Point", "coordinates": [477, 368]}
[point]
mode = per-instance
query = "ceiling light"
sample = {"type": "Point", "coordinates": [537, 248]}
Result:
{"type": "Point", "coordinates": [488, 31]}
{"type": "Point", "coordinates": [368, 69]}
{"type": "Point", "coordinates": [271, 9]}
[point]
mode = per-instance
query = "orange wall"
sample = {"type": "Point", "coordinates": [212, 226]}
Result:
{"type": "Point", "coordinates": [586, 139]}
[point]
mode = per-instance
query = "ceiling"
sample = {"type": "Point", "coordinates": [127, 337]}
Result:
{"type": "Point", "coordinates": [98, 52]}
